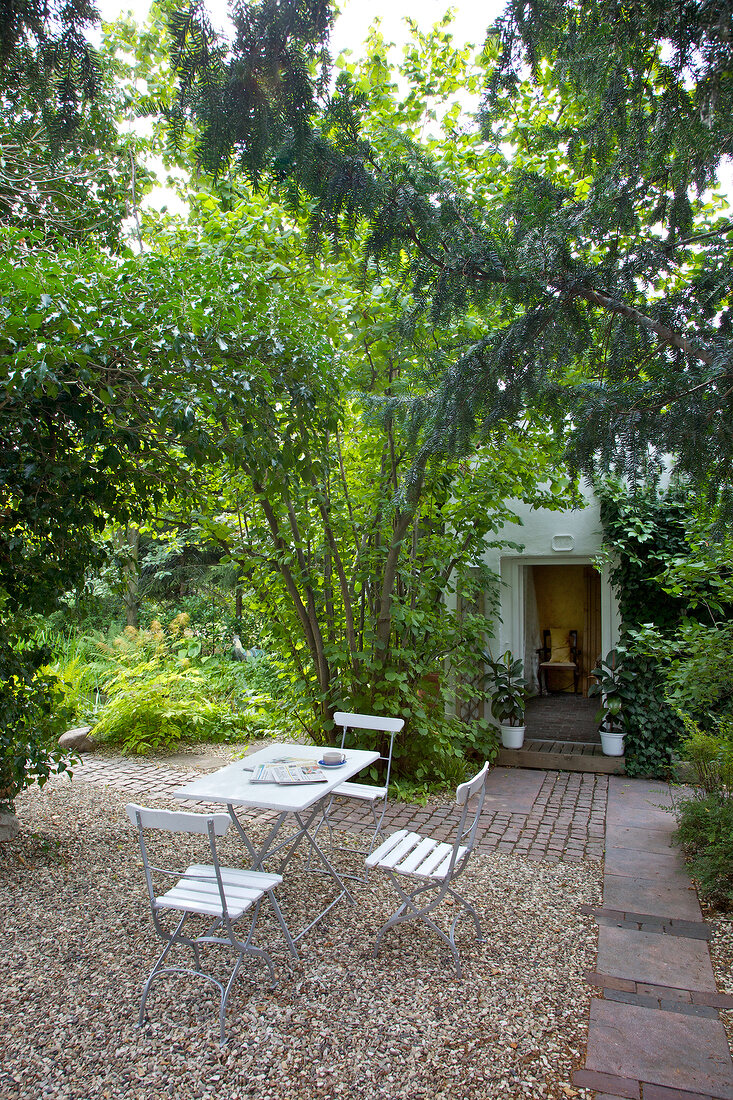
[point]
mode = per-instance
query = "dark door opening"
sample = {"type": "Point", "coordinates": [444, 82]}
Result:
{"type": "Point", "coordinates": [568, 597]}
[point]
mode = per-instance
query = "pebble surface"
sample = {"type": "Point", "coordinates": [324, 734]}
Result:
{"type": "Point", "coordinates": [721, 954]}
{"type": "Point", "coordinates": [77, 943]}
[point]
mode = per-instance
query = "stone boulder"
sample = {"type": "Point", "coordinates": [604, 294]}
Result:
{"type": "Point", "coordinates": [9, 827]}
{"type": "Point", "coordinates": [77, 739]}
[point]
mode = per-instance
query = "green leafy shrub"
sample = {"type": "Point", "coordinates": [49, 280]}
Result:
{"type": "Point", "coordinates": [436, 749]}
{"type": "Point", "coordinates": [32, 714]}
{"type": "Point", "coordinates": [705, 833]}
{"type": "Point", "coordinates": [711, 756]}
{"type": "Point", "coordinates": [652, 727]}
{"type": "Point", "coordinates": [646, 530]}
{"type": "Point", "coordinates": [705, 821]}
{"type": "Point", "coordinates": [148, 711]}
{"type": "Point", "coordinates": [159, 691]}
{"type": "Point", "coordinates": [699, 673]}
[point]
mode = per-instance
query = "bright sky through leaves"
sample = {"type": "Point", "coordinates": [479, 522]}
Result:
{"type": "Point", "coordinates": [471, 17]}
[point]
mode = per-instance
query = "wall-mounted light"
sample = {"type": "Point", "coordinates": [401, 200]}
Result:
{"type": "Point", "coordinates": [563, 543]}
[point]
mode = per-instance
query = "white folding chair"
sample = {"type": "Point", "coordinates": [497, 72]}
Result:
{"type": "Point", "coordinates": [222, 894]}
{"type": "Point", "coordinates": [435, 864]}
{"type": "Point", "coordinates": [364, 792]}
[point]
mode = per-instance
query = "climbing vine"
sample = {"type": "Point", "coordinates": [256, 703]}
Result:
{"type": "Point", "coordinates": [645, 532]}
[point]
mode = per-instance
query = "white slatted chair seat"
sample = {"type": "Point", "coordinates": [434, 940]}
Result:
{"type": "Point", "coordinates": [435, 864]}
{"type": "Point", "coordinates": [413, 854]}
{"type": "Point", "coordinates": [197, 891]}
{"type": "Point", "coordinates": [237, 876]}
{"type": "Point", "coordinates": [361, 790]}
{"type": "Point", "coordinates": [222, 894]}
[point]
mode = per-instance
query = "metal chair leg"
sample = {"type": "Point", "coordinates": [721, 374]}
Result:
{"type": "Point", "coordinates": [408, 911]}
{"type": "Point", "coordinates": [158, 966]}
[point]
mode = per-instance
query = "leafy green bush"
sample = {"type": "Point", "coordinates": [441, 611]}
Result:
{"type": "Point", "coordinates": [710, 755]}
{"type": "Point", "coordinates": [32, 714]}
{"type": "Point", "coordinates": [651, 727]}
{"type": "Point", "coordinates": [148, 711]}
{"type": "Point", "coordinates": [700, 671]}
{"type": "Point", "coordinates": [158, 691]}
{"type": "Point", "coordinates": [79, 673]}
{"type": "Point", "coordinates": [705, 821]}
{"type": "Point", "coordinates": [705, 833]}
{"type": "Point", "coordinates": [436, 749]}
{"type": "Point", "coordinates": [646, 530]}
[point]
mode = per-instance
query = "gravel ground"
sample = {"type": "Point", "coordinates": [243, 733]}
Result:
{"type": "Point", "coordinates": [77, 943]}
{"type": "Point", "coordinates": [721, 953]}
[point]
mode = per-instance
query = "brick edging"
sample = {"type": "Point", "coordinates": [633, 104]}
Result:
{"type": "Point", "coordinates": [648, 922]}
{"type": "Point", "coordinates": [712, 999]}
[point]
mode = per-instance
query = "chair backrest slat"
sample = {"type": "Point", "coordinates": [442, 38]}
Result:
{"type": "Point", "coordinates": [472, 786]}
{"type": "Point", "coordinates": [368, 722]}
{"type": "Point", "coordinates": [348, 720]}
{"type": "Point", "coordinates": [174, 821]}
{"type": "Point", "coordinates": [467, 826]}
{"type": "Point", "coordinates": [177, 821]}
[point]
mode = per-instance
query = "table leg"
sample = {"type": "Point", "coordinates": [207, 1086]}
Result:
{"type": "Point", "coordinates": [243, 837]}
{"type": "Point", "coordinates": [319, 852]}
{"type": "Point", "coordinates": [293, 841]}
{"type": "Point", "coordinates": [256, 866]}
{"type": "Point", "coordinates": [267, 851]}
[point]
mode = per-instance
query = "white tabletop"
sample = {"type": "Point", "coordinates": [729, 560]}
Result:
{"type": "Point", "coordinates": [231, 785]}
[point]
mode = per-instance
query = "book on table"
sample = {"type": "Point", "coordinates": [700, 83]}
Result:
{"type": "Point", "coordinates": [288, 772]}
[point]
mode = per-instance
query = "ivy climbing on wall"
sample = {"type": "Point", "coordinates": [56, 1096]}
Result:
{"type": "Point", "coordinates": [645, 531]}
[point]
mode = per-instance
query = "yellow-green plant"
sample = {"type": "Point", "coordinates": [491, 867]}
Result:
{"type": "Point", "coordinates": [146, 712]}
{"type": "Point", "coordinates": [159, 693]}
{"type": "Point", "coordinates": [711, 756]}
{"type": "Point", "coordinates": [705, 820]}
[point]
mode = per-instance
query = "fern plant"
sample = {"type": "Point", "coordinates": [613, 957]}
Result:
{"type": "Point", "coordinates": [145, 713]}
{"type": "Point", "coordinates": [156, 696]}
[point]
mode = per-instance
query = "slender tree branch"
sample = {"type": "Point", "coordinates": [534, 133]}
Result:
{"type": "Point", "coordinates": [384, 616]}
{"type": "Point", "coordinates": [310, 627]}
{"type": "Point", "coordinates": [666, 334]}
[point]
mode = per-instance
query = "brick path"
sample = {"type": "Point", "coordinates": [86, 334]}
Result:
{"type": "Point", "coordinates": [541, 815]}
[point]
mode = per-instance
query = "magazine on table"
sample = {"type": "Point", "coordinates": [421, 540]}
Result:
{"type": "Point", "coordinates": [288, 772]}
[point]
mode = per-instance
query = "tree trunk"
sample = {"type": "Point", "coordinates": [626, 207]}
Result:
{"type": "Point", "coordinates": [128, 542]}
{"type": "Point", "coordinates": [238, 600]}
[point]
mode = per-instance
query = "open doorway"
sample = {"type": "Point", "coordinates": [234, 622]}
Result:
{"type": "Point", "coordinates": [562, 598]}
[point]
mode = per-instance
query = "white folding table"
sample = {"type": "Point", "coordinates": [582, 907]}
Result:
{"type": "Point", "coordinates": [232, 787]}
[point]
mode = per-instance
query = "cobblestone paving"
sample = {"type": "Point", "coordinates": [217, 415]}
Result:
{"type": "Point", "coordinates": [566, 820]}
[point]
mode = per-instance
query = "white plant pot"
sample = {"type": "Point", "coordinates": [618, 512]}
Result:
{"type": "Point", "coordinates": [512, 737]}
{"type": "Point", "coordinates": [612, 743]}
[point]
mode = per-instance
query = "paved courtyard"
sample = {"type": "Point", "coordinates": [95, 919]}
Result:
{"type": "Point", "coordinates": [654, 1030]}
{"type": "Point", "coordinates": [543, 815]}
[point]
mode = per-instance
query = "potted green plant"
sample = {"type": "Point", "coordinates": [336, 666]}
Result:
{"type": "Point", "coordinates": [508, 689]}
{"type": "Point", "coordinates": [607, 685]}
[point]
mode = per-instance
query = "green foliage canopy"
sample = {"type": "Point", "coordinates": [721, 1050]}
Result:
{"type": "Point", "coordinates": [105, 365]}
{"type": "Point", "coordinates": [349, 534]}
{"type": "Point", "coordinates": [600, 251]}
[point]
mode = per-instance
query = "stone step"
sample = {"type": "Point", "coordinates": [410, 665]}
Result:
{"type": "Point", "coordinates": [568, 756]}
